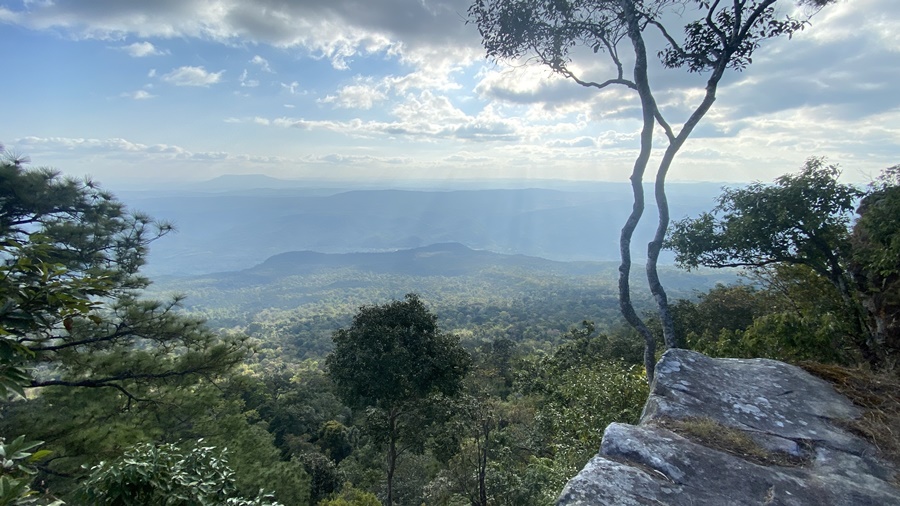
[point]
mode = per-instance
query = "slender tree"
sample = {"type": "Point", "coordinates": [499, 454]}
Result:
{"type": "Point", "coordinates": [718, 36]}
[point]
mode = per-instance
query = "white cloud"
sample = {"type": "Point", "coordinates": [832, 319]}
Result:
{"type": "Point", "coordinates": [337, 30]}
{"type": "Point", "coordinates": [577, 142]}
{"type": "Point", "coordinates": [261, 62]}
{"type": "Point", "coordinates": [293, 88]}
{"type": "Point", "coordinates": [142, 49]}
{"type": "Point", "coordinates": [423, 117]}
{"type": "Point", "coordinates": [139, 95]}
{"type": "Point", "coordinates": [343, 159]}
{"type": "Point", "coordinates": [362, 95]}
{"type": "Point", "coordinates": [830, 90]}
{"type": "Point", "coordinates": [115, 148]}
{"type": "Point", "coordinates": [247, 82]}
{"type": "Point", "coordinates": [192, 76]}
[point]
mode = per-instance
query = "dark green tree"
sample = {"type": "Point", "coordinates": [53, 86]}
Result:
{"type": "Point", "coordinates": [802, 219]}
{"type": "Point", "coordinates": [393, 360]}
{"type": "Point", "coordinates": [716, 36]}
{"type": "Point", "coordinates": [875, 262]}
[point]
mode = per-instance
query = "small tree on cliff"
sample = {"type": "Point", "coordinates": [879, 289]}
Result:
{"type": "Point", "coordinates": [393, 360]}
{"type": "Point", "coordinates": [717, 36]}
{"type": "Point", "coordinates": [804, 219]}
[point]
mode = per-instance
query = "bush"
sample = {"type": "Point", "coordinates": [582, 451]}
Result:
{"type": "Point", "coordinates": [164, 475]}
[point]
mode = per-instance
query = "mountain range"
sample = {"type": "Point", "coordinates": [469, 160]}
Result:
{"type": "Point", "coordinates": [221, 228]}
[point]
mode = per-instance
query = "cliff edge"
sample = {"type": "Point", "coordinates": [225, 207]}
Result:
{"type": "Point", "coordinates": [735, 431]}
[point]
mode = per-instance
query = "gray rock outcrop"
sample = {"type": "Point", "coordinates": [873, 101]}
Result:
{"type": "Point", "coordinates": [794, 449]}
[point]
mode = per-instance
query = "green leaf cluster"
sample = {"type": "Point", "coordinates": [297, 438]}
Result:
{"type": "Point", "coordinates": [830, 288]}
{"type": "Point", "coordinates": [16, 470]}
{"type": "Point", "coordinates": [165, 475]}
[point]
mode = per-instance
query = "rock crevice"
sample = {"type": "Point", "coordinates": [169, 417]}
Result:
{"type": "Point", "coordinates": [735, 431]}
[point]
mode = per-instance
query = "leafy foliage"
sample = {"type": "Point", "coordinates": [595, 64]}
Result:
{"type": "Point", "coordinates": [351, 496]}
{"type": "Point", "coordinates": [69, 280]}
{"type": "Point", "coordinates": [581, 389]}
{"type": "Point", "coordinates": [394, 360]}
{"type": "Point", "coordinates": [789, 313]}
{"type": "Point", "coordinates": [801, 219]}
{"type": "Point", "coordinates": [16, 470]}
{"type": "Point", "coordinates": [72, 316]}
{"type": "Point", "coordinates": [875, 262]}
{"type": "Point", "coordinates": [165, 475]}
{"type": "Point", "coordinates": [395, 353]}
{"type": "Point", "coordinates": [831, 291]}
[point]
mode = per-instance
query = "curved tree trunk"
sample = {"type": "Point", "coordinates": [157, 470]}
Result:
{"type": "Point", "coordinates": [653, 249]}
{"type": "Point", "coordinates": [648, 108]}
{"type": "Point", "coordinates": [655, 245]}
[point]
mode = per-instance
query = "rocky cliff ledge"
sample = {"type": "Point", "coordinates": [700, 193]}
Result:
{"type": "Point", "coordinates": [732, 432]}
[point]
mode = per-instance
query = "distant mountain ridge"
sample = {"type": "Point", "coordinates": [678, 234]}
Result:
{"type": "Point", "coordinates": [443, 259]}
{"type": "Point", "coordinates": [231, 230]}
{"type": "Point", "coordinates": [439, 272]}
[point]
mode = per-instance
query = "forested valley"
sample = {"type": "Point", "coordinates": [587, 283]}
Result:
{"type": "Point", "coordinates": [433, 375]}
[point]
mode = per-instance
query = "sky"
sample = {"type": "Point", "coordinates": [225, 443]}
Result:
{"type": "Point", "coordinates": [138, 93]}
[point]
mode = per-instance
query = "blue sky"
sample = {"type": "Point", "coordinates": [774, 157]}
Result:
{"type": "Point", "coordinates": [138, 92]}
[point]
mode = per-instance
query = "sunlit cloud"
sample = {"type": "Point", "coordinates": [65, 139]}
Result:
{"type": "Point", "coordinates": [142, 49]}
{"type": "Point", "coordinates": [384, 77]}
{"type": "Point", "coordinates": [362, 95]}
{"type": "Point", "coordinates": [192, 76]}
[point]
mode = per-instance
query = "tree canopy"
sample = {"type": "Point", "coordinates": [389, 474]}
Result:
{"type": "Point", "coordinates": [394, 354]}
{"type": "Point", "coordinates": [805, 220]}
{"type": "Point", "coordinates": [394, 359]}
{"type": "Point", "coordinates": [802, 218]}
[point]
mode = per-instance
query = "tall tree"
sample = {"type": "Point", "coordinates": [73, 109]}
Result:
{"type": "Point", "coordinates": [393, 359]}
{"type": "Point", "coordinates": [717, 36]}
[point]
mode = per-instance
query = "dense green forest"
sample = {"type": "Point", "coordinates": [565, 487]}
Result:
{"type": "Point", "coordinates": [439, 375]}
{"type": "Point", "coordinates": [293, 302]}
